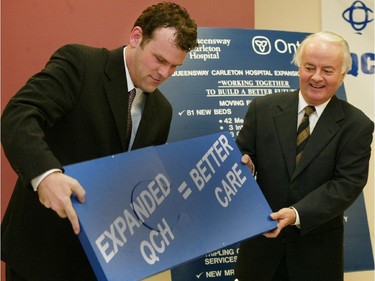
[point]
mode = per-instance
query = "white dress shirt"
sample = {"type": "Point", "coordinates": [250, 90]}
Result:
{"type": "Point", "coordinates": [137, 105]}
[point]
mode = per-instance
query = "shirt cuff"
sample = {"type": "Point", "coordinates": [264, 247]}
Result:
{"type": "Point", "coordinates": [37, 180]}
{"type": "Point", "coordinates": [297, 222]}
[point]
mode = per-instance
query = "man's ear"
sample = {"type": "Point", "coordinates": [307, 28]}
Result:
{"type": "Point", "coordinates": [343, 77]}
{"type": "Point", "coordinates": [136, 36]}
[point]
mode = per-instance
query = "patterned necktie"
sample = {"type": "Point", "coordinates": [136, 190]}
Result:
{"type": "Point", "coordinates": [303, 132]}
{"type": "Point", "coordinates": [129, 122]}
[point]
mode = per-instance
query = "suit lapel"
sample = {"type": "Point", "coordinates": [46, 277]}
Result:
{"type": "Point", "coordinates": [116, 89]}
{"type": "Point", "coordinates": [324, 131]}
{"type": "Point", "coordinates": [286, 129]}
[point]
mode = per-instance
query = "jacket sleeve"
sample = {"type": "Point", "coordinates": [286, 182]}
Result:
{"type": "Point", "coordinates": [329, 200]}
{"type": "Point", "coordinates": [47, 97]}
{"type": "Point", "coordinates": [246, 138]}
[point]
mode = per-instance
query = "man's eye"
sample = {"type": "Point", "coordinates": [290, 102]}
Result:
{"type": "Point", "coordinates": [328, 72]}
{"type": "Point", "coordinates": [159, 60]}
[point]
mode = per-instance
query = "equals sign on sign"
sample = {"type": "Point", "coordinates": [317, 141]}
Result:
{"type": "Point", "coordinates": [184, 190]}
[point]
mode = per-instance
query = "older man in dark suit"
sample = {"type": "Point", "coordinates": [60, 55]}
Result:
{"type": "Point", "coordinates": [74, 110]}
{"type": "Point", "coordinates": [310, 175]}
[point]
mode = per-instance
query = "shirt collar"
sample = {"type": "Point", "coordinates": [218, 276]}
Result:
{"type": "Point", "coordinates": [318, 108]}
{"type": "Point", "coordinates": [129, 81]}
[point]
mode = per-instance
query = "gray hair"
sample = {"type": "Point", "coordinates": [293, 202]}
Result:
{"type": "Point", "coordinates": [330, 37]}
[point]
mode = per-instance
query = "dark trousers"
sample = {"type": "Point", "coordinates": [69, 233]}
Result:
{"type": "Point", "coordinates": [281, 273]}
{"type": "Point", "coordinates": [11, 275]}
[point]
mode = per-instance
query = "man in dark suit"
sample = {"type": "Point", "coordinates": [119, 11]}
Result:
{"type": "Point", "coordinates": [74, 110]}
{"type": "Point", "coordinates": [308, 198]}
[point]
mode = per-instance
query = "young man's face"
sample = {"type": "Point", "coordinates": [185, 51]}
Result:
{"type": "Point", "coordinates": [151, 64]}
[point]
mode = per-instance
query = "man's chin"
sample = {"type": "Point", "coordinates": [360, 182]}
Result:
{"type": "Point", "coordinates": [151, 89]}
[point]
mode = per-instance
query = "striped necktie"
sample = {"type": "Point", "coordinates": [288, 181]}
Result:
{"type": "Point", "coordinates": [129, 122]}
{"type": "Point", "coordinates": [303, 132]}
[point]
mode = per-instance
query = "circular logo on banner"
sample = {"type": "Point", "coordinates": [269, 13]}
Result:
{"type": "Point", "coordinates": [358, 15]}
{"type": "Point", "coordinates": [261, 45]}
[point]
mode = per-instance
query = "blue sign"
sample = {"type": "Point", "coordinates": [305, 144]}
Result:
{"type": "Point", "coordinates": [152, 209]}
{"type": "Point", "coordinates": [210, 93]}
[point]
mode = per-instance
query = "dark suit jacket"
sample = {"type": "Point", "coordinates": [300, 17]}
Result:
{"type": "Point", "coordinates": [73, 110]}
{"type": "Point", "coordinates": [330, 175]}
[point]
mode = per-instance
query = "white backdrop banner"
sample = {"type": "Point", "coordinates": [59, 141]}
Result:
{"type": "Point", "coordinates": [354, 20]}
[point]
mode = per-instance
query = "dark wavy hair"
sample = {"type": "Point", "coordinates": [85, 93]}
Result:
{"type": "Point", "coordinates": [168, 14]}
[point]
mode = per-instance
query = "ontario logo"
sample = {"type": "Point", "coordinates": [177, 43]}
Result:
{"type": "Point", "coordinates": [261, 45]}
